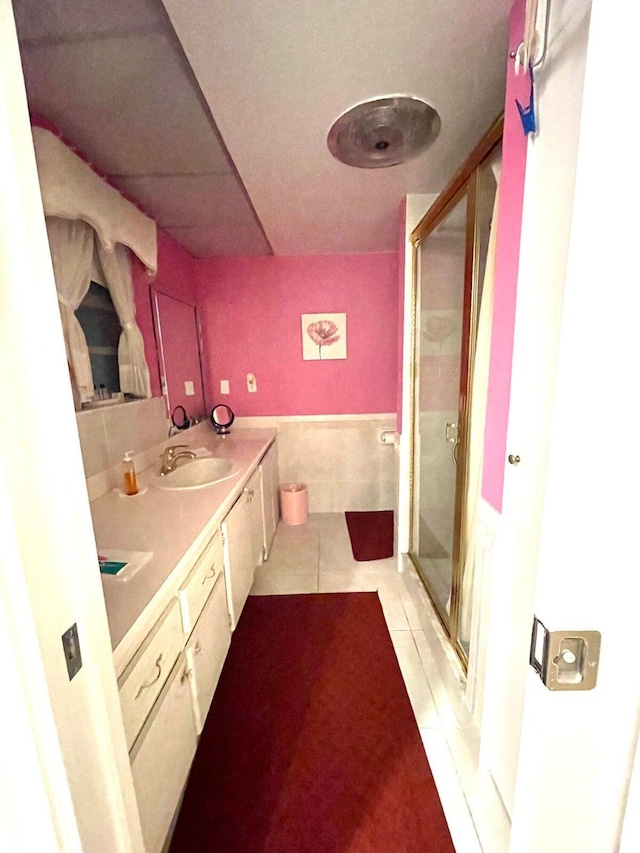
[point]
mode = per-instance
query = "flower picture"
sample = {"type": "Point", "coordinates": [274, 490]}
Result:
{"type": "Point", "coordinates": [324, 336]}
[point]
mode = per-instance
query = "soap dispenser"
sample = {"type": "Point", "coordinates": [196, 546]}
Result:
{"type": "Point", "coordinates": [130, 479]}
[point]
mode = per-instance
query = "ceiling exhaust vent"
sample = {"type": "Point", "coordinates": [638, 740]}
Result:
{"type": "Point", "coordinates": [383, 132]}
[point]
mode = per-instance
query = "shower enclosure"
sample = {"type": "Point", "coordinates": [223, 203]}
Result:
{"type": "Point", "coordinates": [452, 300]}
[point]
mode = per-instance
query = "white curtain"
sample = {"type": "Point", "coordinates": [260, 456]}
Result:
{"type": "Point", "coordinates": [480, 383]}
{"type": "Point", "coordinates": [71, 245]}
{"type": "Point", "coordinates": [134, 373]}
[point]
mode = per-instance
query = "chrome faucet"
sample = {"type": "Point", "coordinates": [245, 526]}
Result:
{"type": "Point", "coordinates": [170, 457]}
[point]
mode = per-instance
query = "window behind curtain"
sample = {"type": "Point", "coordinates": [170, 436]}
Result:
{"type": "Point", "coordinates": [97, 316]}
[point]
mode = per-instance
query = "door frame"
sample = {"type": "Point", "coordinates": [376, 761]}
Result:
{"type": "Point", "coordinates": [81, 769]}
{"type": "Point", "coordinates": [464, 181]}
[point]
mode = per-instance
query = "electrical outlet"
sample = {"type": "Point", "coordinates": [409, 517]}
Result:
{"type": "Point", "coordinates": [252, 385]}
{"type": "Point", "coordinates": [189, 390]}
{"type": "Point", "coordinates": [224, 386]}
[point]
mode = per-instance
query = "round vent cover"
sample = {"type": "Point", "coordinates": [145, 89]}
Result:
{"type": "Point", "coordinates": [383, 132]}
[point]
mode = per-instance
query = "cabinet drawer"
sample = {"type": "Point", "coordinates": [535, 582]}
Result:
{"type": "Point", "coordinates": [162, 756]}
{"type": "Point", "coordinates": [207, 651]}
{"type": "Point", "coordinates": [144, 677]}
{"type": "Point", "coordinates": [195, 590]}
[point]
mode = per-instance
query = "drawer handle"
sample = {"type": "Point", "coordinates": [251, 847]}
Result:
{"type": "Point", "coordinates": [209, 576]}
{"type": "Point", "coordinates": [187, 675]}
{"type": "Point", "coordinates": [249, 494]}
{"type": "Point", "coordinates": [155, 680]}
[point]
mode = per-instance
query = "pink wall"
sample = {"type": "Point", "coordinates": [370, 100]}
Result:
{"type": "Point", "coordinates": [514, 157]}
{"type": "Point", "coordinates": [250, 316]}
{"type": "Point", "coordinates": [181, 354]}
{"type": "Point", "coordinates": [176, 276]}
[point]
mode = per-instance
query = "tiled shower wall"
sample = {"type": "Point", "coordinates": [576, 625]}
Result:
{"type": "Point", "coordinates": [340, 460]}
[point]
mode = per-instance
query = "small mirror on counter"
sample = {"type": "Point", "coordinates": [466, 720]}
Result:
{"type": "Point", "coordinates": [179, 362]}
{"type": "Point", "coordinates": [222, 417]}
{"type": "Point", "coordinates": [179, 418]}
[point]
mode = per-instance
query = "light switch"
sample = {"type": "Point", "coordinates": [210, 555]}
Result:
{"type": "Point", "coordinates": [189, 389]}
{"type": "Point", "coordinates": [252, 385]}
{"type": "Point", "coordinates": [224, 386]}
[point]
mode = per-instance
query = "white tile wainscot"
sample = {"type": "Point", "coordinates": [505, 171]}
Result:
{"type": "Point", "coordinates": [170, 624]}
{"type": "Point", "coordinates": [338, 457]}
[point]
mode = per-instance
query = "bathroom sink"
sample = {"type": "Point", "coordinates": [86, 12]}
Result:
{"type": "Point", "coordinates": [195, 474]}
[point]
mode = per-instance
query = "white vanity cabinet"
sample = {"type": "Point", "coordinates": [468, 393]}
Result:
{"type": "Point", "coordinates": [140, 684]}
{"type": "Point", "coordinates": [162, 755]}
{"type": "Point", "coordinates": [167, 686]}
{"type": "Point", "coordinates": [166, 707]}
{"type": "Point", "coordinates": [242, 536]}
{"type": "Point", "coordinates": [207, 649]}
{"type": "Point", "coordinates": [269, 498]}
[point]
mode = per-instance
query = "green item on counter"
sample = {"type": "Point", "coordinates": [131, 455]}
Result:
{"type": "Point", "coordinates": [111, 567]}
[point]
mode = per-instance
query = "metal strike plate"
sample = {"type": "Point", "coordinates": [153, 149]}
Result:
{"type": "Point", "coordinates": [565, 660]}
{"type": "Point", "coordinates": [71, 648]}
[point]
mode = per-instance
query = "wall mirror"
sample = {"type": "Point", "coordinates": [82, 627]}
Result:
{"type": "Point", "coordinates": [178, 347]}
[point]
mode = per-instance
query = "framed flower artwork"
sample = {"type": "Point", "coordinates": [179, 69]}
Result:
{"type": "Point", "coordinates": [324, 336]}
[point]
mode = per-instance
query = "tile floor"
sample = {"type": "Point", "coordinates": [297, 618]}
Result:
{"type": "Point", "coordinates": [316, 557]}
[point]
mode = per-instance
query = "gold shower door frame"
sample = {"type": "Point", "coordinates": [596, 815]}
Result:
{"type": "Point", "coordinates": [464, 184]}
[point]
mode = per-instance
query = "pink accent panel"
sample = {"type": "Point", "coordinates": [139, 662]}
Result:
{"type": "Point", "coordinates": [144, 319]}
{"type": "Point", "coordinates": [402, 227]}
{"type": "Point", "coordinates": [175, 276]}
{"type": "Point", "coordinates": [514, 158]}
{"type": "Point", "coordinates": [180, 348]}
{"type": "Point", "coordinates": [250, 315]}
{"type": "Point", "coordinates": [176, 270]}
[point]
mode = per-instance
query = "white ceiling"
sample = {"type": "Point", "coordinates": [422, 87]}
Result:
{"type": "Point", "coordinates": [270, 79]}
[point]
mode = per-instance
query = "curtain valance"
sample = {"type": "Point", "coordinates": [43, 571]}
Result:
{"type": "Point", "coordinates": [70, 189]}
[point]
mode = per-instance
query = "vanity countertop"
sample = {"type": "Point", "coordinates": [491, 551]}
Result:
{"type": "Point", "coordinates": [174, 525]}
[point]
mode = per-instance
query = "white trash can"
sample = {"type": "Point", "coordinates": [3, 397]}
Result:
{"type": "Point", "coordinates": [293, 503]}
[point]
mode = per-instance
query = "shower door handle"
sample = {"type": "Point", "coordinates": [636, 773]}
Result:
{"type": "Point", "coordinates": [452, 435]}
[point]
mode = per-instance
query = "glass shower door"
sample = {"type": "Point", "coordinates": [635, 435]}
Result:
{"type": "Point", "coordinates": [441, 343]}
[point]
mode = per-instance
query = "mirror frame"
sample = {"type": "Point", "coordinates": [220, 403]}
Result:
{"type": "Point", "coordinates": [463, 182]}
{"type": "Point", "coordinates": [154, 292]}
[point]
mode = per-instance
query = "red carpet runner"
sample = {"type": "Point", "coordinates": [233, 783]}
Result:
{"type": "Point", "coordinates": [311, 745]}
{"type": "Point", "coordinates": [371, 534]}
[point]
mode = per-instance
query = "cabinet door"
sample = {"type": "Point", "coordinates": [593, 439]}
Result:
{"type": "Point", "coordinates": [253, 492]}
{"type": "Point", "coordinates": [239, 564]}
{"type": "Point", "coordinates": [207, 650]}
{"type": "Point", "coordinates": [142, 681]}
{"type": "Point", "coordinates": [269, 496]}
{"type": "Point", "coordinates": [162, 756]}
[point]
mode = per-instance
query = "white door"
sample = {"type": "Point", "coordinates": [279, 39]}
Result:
{"type": "Point", "coordinates": [567, 514]}
{"type": "Point", "coordinates": [239, 554]}
{"type": "Point", "coordinates": [79, 762]}
{"type": "Point", "coordinates": [543, 256]}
